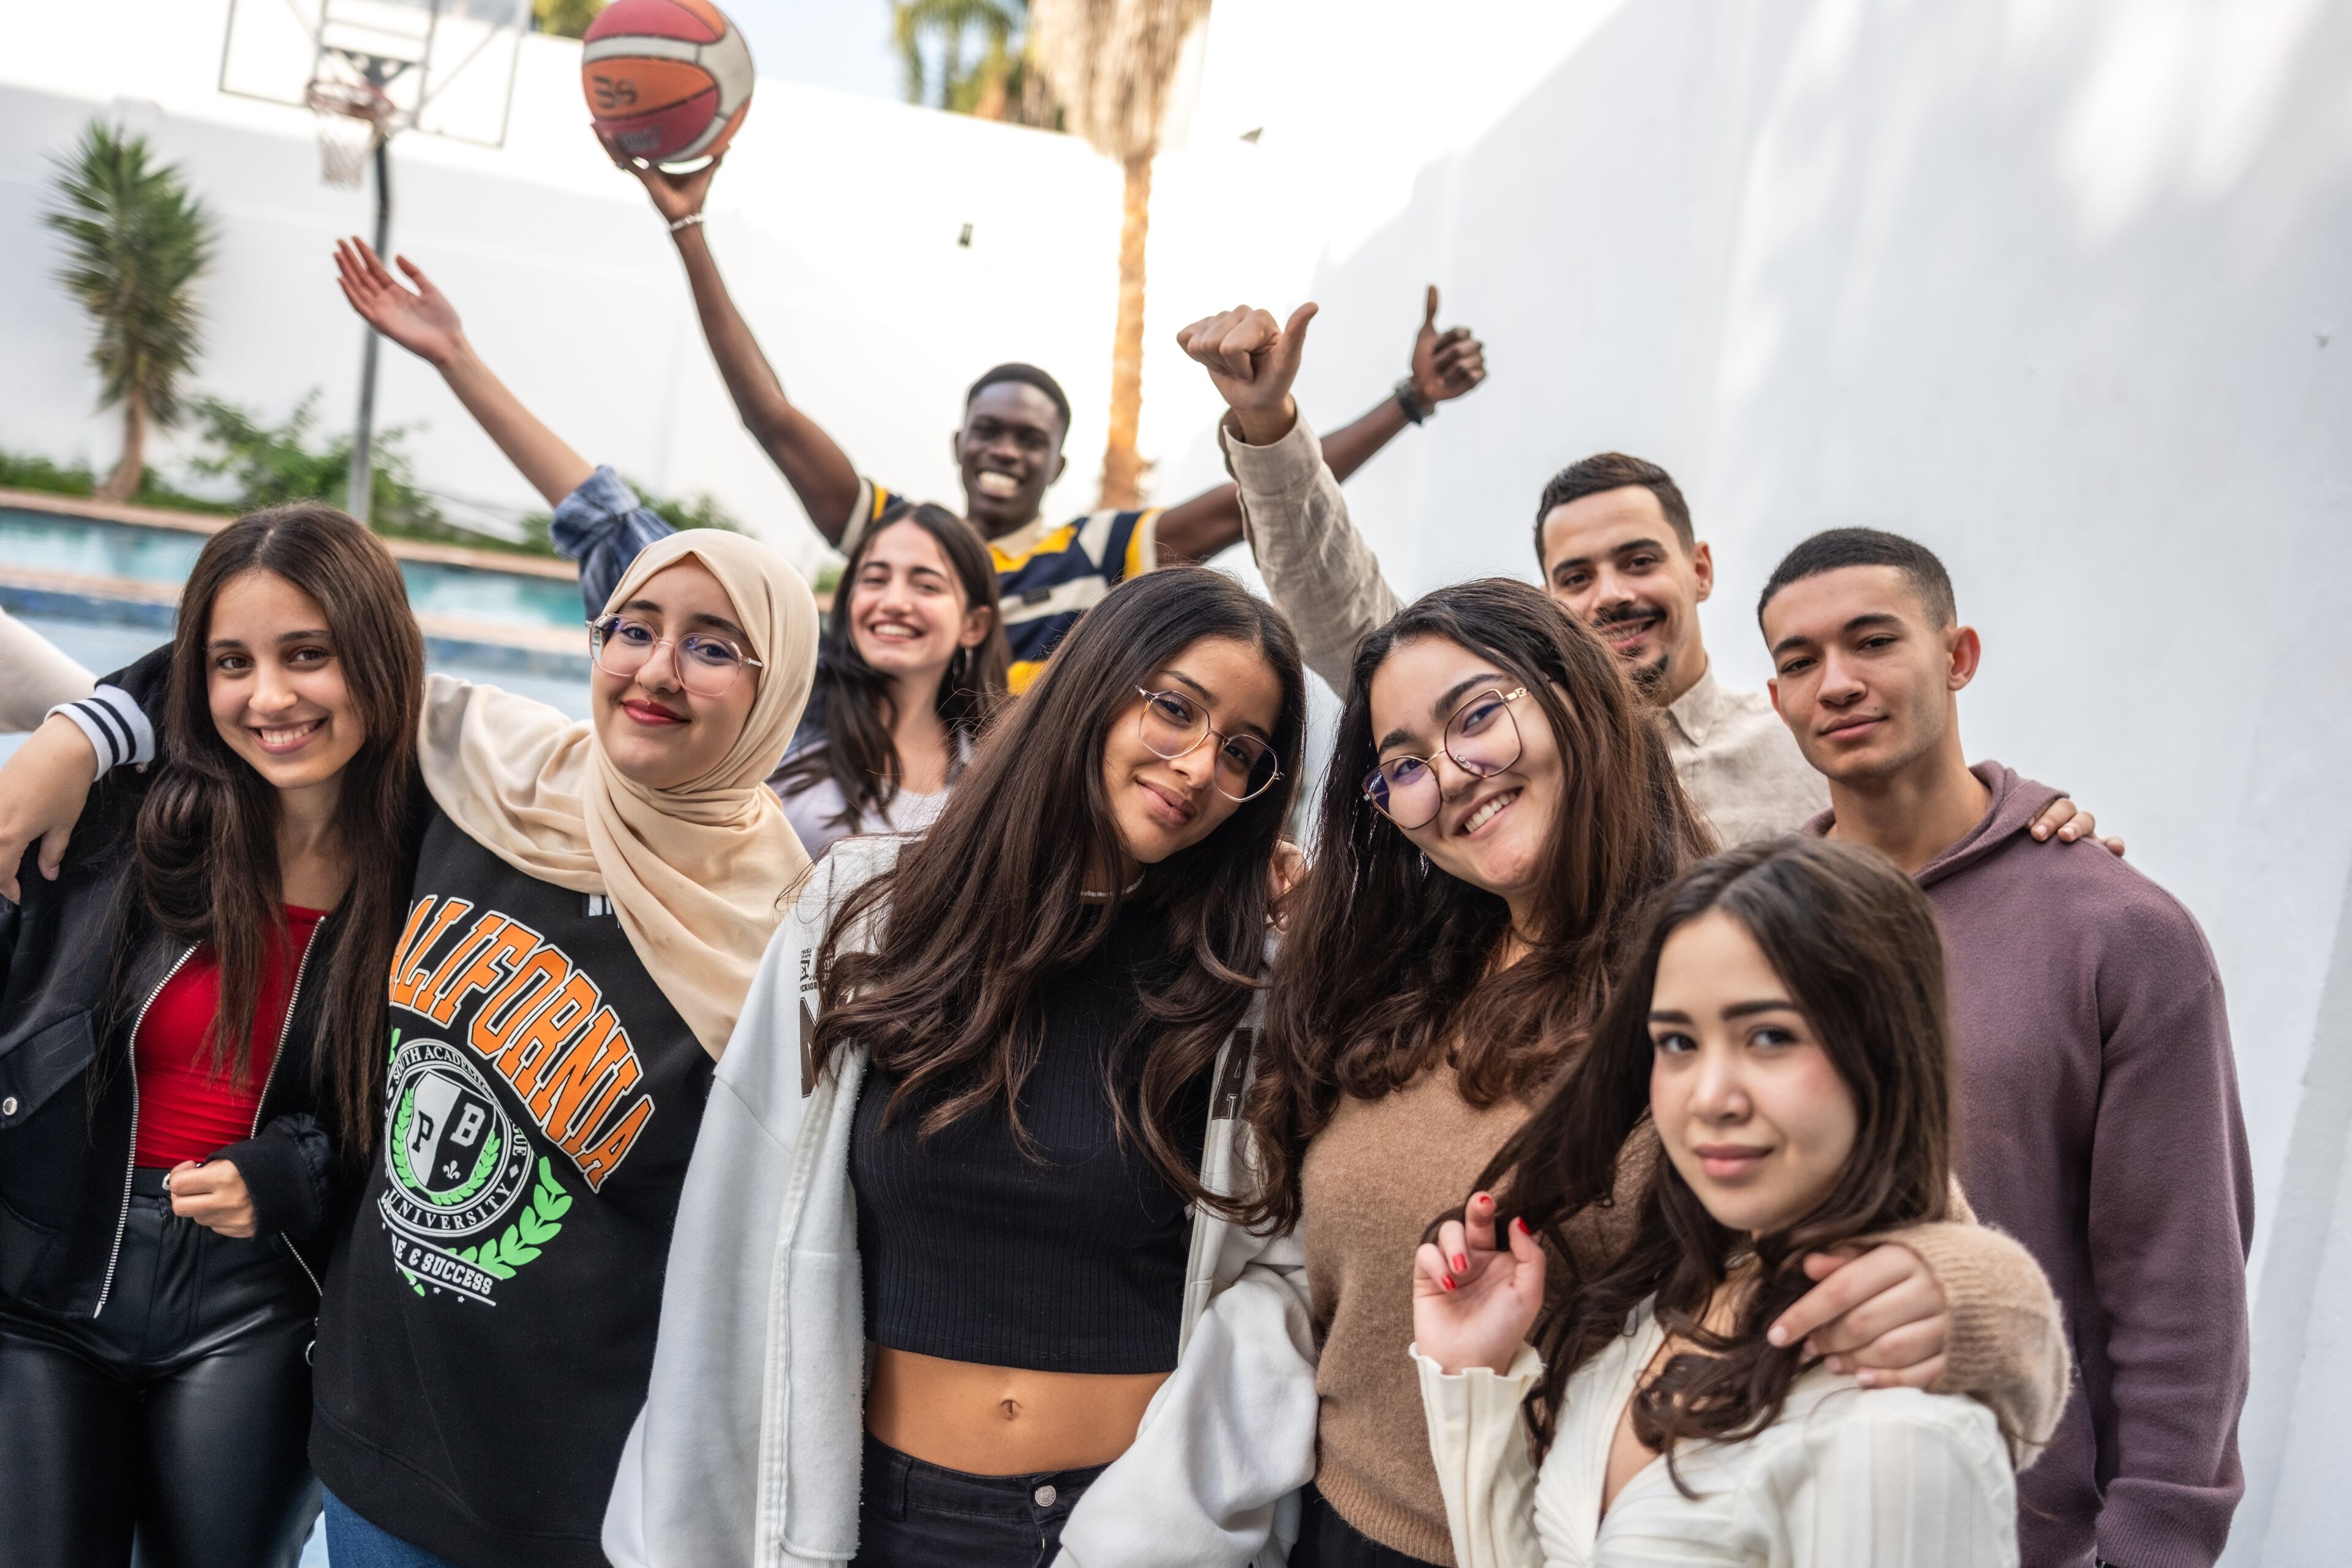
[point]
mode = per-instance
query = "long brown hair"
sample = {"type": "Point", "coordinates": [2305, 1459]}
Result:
{"type": "Point", "coordinates": [207, 833]}
{"type": "Point", "coordinates": [1856, 943]}
{"type": "Point", "coordinates": [1387, 964]}
{"type": "Point", "coordinates": [990, 904]}
{"type": "Point", "coordinates": [853, 705]}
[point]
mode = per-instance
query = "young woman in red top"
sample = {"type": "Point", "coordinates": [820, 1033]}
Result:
{"type": "Point", "coordinates": [191, 1063]}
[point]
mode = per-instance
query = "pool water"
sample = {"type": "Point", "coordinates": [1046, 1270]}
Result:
{"type": "Point", "coordinates": [46, 543]}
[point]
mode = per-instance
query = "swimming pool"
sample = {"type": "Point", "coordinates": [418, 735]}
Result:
{"type": "Point", "coordinates": [44, 541]}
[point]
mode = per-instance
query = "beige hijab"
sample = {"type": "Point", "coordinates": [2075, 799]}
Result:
{"type": "Point", "coordinates": [699, 875]}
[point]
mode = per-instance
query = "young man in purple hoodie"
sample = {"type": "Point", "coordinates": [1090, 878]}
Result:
{"type": "Point", "coordinates": [2098, 1106]}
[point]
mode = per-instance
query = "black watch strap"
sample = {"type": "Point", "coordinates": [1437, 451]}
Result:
{"type": "Point", "coordinates": [1415, 410]}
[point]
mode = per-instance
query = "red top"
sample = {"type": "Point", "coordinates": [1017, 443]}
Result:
{"type": "Point", "coordinates": [186, 1112]}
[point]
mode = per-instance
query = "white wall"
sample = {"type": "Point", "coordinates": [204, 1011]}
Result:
{"type": "Point", "coordinates": [2061, 289]}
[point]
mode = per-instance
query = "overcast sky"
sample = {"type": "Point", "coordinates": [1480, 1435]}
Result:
{"type": "Point", "coordinates": [842, 44]}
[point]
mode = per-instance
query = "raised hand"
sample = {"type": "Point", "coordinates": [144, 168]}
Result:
{"type": "Point", "coordinates": [1445, 364]}
{"type": "Point", "coordinates": [422, 321]}
{"type": "Point", "coordinates": [1473, 1301]}
{"type": "Point", "coordinates": [1252, 361]}
{"type": "Point", "coordinates": [674, 197]}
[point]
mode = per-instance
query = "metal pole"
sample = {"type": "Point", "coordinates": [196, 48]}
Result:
{"type": "Point", "coordinates": [360, 489]}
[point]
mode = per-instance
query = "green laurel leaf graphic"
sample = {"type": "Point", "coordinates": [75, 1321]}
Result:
{"type": "Point", "coordinates": [400, 1138]}
{"type": "Point", "coordinates": [520, 1242]}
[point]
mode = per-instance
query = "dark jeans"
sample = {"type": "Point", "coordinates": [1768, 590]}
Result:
{"type": "Point", "coordinates": [911, 1514]}
{"type": "Point", "coordinates": [353, 1543]}
{"type": "Point", "coordinates": [180, 1414]}
{"type": "Point", "coordinates": [1326, 1541]}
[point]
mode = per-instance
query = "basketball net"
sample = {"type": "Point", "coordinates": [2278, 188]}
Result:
{"type": "Point", "coordinates": [353, 119]}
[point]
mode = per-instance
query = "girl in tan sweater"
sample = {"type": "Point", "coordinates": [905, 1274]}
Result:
{"type": "Point", "coordinates": [1499, 807]}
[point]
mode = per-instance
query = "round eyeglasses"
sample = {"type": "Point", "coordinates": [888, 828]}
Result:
{"type": "Point", "coordinates": [706, 665]}
{"type": "Point", "coordinates": [1173, 725]}
{"type": "Point", "coordinates": [1482, 737]}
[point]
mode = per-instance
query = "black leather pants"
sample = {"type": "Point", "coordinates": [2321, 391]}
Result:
{"type": "Point", "coordinates": [181, 1413]}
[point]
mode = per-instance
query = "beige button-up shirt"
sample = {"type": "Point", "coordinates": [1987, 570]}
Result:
{"type": "Point", "coordinates": [1733, 754]}
{"type": "Point", "coordinates": [1739, 765]}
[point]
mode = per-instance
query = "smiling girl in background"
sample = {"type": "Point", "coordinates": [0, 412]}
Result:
{"type": "Point", "coordinates": [1783, 1029]}
{"type": "Point", "coordinates": [911, 667]}
{"type": "Point", "coordinates": [192, 1061]}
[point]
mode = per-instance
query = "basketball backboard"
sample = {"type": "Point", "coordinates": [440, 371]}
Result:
{"type": "Point", "coordinates": [447, 65]}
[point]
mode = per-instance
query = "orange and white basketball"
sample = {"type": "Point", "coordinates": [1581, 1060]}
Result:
{"type": "Point", "coordinates": [667, 81]}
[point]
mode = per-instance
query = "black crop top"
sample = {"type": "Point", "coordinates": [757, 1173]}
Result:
{"type": "Point", "coordinates": [974, 1251]}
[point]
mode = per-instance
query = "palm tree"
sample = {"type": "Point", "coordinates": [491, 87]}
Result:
{"type": "Point", "coordinates": [994, 86]}
{"type": "Point", "coordinates": [1109, 64]}
{"type": "Point", "coordinates": [135, 242]}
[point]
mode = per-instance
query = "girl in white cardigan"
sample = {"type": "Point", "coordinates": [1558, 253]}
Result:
{"type": "Point", "coordinates": [1783, 1036]}
{"type": "Point", "coordinates": [953, 1280]}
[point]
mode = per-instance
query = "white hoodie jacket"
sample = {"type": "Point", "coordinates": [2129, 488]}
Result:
{"type": "Point", "coordinates": [747, 1451]}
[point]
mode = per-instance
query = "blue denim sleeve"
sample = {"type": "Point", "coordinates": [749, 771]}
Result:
{"type": "Point", "coordinates": [603, 526]}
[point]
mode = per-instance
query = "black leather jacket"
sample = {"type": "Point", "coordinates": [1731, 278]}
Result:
{"type": "Point", "coordinates": [65, 1153]}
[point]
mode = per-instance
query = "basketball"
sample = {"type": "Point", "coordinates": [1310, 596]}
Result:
{"type": "Point", "coordinates": [667, 81]}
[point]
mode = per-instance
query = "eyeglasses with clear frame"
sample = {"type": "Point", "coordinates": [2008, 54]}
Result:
{"type": "Point", "coordinates": [1173, 725]}
{"type": "Point", "coordinates": [1482, 739]}
{"type": "Point", "coordinates": [707, 665]}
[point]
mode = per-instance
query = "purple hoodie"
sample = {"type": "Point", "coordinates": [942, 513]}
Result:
{"type": "Point", "coordinates": [2099, 1125]}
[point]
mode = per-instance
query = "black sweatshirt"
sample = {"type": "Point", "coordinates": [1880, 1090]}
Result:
{"type": "Point", "coordinates": [487, 1332]}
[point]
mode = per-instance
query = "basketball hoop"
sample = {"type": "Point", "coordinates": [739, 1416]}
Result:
{"type": "Point", "coordinates": [353, 119]}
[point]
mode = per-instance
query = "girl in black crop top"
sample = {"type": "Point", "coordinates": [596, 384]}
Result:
{"type": "Point", "coordinates": [1047, 982]}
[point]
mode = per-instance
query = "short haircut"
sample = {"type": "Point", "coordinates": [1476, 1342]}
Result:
{"type": "Point", "coordinates": [1837, 548]}
{"type": "Point", "coordinates": [1614, 471]}
{"type": "Point", "coordinates": [1027, 376]}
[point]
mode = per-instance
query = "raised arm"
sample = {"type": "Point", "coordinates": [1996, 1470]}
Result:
{"type": "Point", "coordinates": [425, 323]}
{"type": "Point", "coordinates": [819, 471]}
{"type": "Point", "coordinates": [598, 521]}
{"type": "Point", "coordinates": [1318, 567]}
{"type": "Point", "coordinates": [1443, 366]}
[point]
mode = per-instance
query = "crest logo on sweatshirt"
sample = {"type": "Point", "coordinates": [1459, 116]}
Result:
{"type": "Point", "coordinates": [461, 1201]}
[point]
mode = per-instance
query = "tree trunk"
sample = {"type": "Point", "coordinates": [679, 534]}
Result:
{"type": "Point", "coordinates": [1122, 479]}
{"type": "Point", "coordinates": [123, 483]}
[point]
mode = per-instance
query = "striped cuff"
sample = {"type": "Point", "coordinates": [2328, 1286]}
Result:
{"type": "Point", "coordinates": [117, 731]}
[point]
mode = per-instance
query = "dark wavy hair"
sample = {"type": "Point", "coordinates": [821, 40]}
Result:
{"type": "Point", "coordinates": [1856, 943]}
{"type": "Point", "coordinates": [854, 708]}
{"type": "Point", "coordinates": [206, 840]}
{"type": "Point", "coordinates": [1387, 964]}
{"type": "Point", "coordinates": [988, 907]}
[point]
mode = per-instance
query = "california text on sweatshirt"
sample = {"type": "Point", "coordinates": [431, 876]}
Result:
{"type": "Point", "coordinates": [2099, 1125]}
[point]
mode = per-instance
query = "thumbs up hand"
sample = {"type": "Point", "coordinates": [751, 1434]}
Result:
{"type": "Point", "coordinates": [1252, 361]}
{"type": "Point", "coordinates": [1445, 364]}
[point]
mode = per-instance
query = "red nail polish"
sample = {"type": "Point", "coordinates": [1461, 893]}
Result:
{"type": "Point", "coordinates": [1446, 1280]}
{"type": "Point", "coordinates": [1521, 1227]}
{"type": "Point", "coordinates": [1461, 1264]}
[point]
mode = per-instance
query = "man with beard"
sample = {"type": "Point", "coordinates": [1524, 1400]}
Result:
{"type": "Point", "coordinates": [2098, 1117]}
{"type": "Point", "coordinates": [1614, 540]}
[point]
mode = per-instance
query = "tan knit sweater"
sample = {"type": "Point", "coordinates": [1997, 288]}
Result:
{"type": "Point", "coordinates": [1381, 1170]}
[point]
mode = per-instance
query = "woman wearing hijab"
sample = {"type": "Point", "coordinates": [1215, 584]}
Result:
{"type": "Point", "coordinates": [590, 901]}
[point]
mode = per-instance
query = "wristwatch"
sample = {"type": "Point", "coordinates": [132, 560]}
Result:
{"type": "Point", "coordinates": [1415, 410]}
